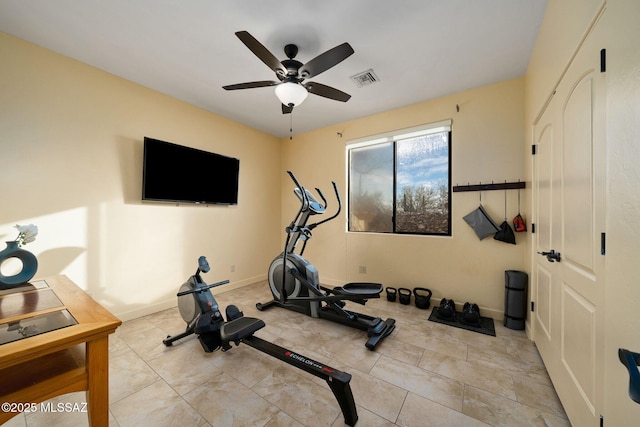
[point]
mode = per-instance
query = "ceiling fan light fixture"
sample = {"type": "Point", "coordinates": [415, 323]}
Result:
{"type": "Point", "coordinates": [291, 93]}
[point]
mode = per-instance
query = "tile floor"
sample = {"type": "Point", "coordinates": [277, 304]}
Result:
{"type": "Point", "coordinates": [424, 374]}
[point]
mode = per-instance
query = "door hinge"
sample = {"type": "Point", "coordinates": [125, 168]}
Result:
{"type": "Point", "coordinates": [533, 306]}
{"type": "Point", "coordinates": [533, 228]}
{"type": "Point", "coordinates": [533, 149]}
{"type": "Point", "coordinates": [603, 60]}
{"type": "Point", "coordinates": [603, 243]}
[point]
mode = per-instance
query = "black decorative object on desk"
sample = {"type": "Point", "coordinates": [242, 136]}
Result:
{"type": "Point", "coordinates": [29, 265]}
{"type": "Point", "coordinates": [26, 234]}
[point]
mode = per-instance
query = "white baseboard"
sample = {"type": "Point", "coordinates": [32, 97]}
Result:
{"type": "Point", "coordinates": [146, 310]}
{"type": "Point", "coordinates": [239, 284]}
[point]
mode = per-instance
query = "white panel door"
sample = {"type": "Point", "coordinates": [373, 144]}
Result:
{"type": "Point", "coordinates": [569, 207]}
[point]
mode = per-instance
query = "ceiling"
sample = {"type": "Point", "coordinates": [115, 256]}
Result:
{"type": "Point", "coordinates": [418, 49]}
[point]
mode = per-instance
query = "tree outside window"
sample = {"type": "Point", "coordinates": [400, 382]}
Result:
{"type": "Point", "coordinates": [402, 185]}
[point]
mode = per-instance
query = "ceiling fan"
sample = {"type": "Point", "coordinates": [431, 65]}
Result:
{"type": "Point", "coordinates": [291, 88]}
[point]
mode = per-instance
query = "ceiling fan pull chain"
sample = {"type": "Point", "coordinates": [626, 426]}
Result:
{"type": "Point", "coordinates": [291, 126]}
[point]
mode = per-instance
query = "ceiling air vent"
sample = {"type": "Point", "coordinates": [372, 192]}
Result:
{"type": "Point", "coordinates": [365, 78]}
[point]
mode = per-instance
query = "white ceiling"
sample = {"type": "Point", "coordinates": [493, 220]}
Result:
{"type": "Point", "coordinates": [419, 49]}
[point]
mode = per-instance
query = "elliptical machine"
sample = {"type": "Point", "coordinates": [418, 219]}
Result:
{"type": "Point", "coordinates": [295, 282]}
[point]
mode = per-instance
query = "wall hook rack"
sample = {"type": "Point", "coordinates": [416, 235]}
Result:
{"type": "Point", "coordinates": [484, 187]}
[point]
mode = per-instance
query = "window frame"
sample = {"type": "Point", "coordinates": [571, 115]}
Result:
{"type": "Point", "coordinates": [394, 137]}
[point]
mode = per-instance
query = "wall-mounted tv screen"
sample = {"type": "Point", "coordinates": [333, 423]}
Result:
{"type": "Point", "coordinates": [175, 173]}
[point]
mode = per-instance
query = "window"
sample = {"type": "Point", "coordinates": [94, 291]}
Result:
{"type": "Point", "coordinates": [400, 183]}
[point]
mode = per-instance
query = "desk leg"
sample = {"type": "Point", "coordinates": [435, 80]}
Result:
{"type": "Point", "coordinates": [98, 388]}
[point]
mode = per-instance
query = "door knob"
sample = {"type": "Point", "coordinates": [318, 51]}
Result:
{"type": "Point", "coordinates": [552, 256]}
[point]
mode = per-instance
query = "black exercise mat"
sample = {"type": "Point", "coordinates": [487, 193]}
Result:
{"type": "Point", "coordinates": [486, 323]}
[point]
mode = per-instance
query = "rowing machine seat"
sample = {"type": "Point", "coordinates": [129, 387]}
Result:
{"type": "Point", "coordinates": [240, 328]}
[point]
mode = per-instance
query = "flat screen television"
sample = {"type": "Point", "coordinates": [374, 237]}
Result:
{"type": "Point", "coordinates": [179, 174]}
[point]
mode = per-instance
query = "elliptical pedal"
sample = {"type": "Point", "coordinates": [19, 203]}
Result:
{"type": "Point", "coordinates": [377, 328]}
{"type": "Point", "coordinates": [387, 327]}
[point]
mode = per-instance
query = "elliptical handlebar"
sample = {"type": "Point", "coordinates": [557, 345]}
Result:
{"type": "Point", "coordinates": [322, 197]}
{"type": "Point", "coordinates": [306, 203]}
{"type": "Point", "coordinates": [335, 190]}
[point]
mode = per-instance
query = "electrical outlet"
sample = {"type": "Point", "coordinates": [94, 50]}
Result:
{"type": "Point", "coordinates": [233, 268]}
{"type": "Point", "coordinates": [363, 269]}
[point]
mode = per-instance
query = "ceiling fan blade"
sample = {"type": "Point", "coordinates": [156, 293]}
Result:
{"type": "Point", "coordinates": [327, 91]}
{"type": "Point", "coordinates": [251, 85]}
{"type": "Point", "coordinates": [286, 109]}
{"type": "Point", "coordinates": [261, 52]}
{"type": "Point", "coordinates": [324, 61]}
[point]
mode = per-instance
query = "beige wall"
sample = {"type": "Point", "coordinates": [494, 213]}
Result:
{"type": "Point", "coordinates": [566, 21]}
{"type": "Point", "coordinates": [623, 206]}
{"type": "Point", "coordinates": [487, 140]}
{"type": "Point", "coordinates": [71, 149]}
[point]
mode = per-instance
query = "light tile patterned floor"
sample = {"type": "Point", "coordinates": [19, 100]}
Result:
{"type": "Point", "coordinates": [424, 374]}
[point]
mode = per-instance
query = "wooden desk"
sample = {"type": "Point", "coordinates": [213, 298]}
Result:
{"type": "Point", "coordinates": [69, 359]}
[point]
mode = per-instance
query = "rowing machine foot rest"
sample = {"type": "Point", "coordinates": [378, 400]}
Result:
{"type": "Point", "coordinates": [210, 342]}
{"type": "Point", "coordinates": [207, 323]}
{"type": "Point", "coordinates": [359, 288]}
{"type": "Point", "coordinates": [207, 329]}
{"type": "Point", "coordinates": [240, 328]}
